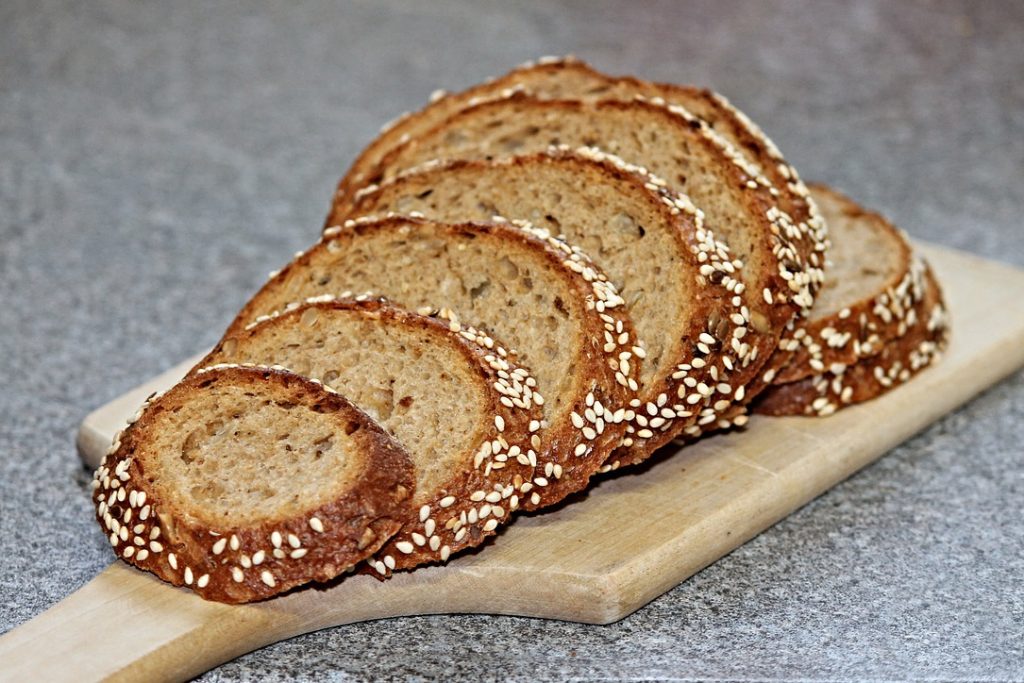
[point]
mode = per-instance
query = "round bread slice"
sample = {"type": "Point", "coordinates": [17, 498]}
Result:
{"type": "Point", "coordinates": [543, 298]}
{"type": "Point", "coordinates": [669, 143]}
{"type": "Point", "coordinates": [870, 297]}
{"type": "Point", "coordinates": [622, 216]}
{"type": "Point", "coordinates": [464, 412]}
{"type": "Point", "coordinates": [897, 362]}
{"type": "Point", "coordinates": [240, 483]}
{"type": "Point", "coordinates": [571, 78]}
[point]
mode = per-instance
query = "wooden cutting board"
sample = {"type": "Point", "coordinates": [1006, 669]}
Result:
{"type": "Point", "coordinates": [629, 539]}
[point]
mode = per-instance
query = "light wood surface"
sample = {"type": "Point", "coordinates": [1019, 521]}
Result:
{"type": "Point", "coordinates": [629, 539]}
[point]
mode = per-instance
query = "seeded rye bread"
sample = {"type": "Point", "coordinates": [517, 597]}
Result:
{"type": "Point", "coordinates": [738, 209]}
{"type": "Point", "coordinates": [666, 141]}
{"type": "Point", "coordinates": [898, 361]}
{"type": "Point", "coordinates": [545, 299]}
{"type": "Point", "coordinates": [241, 483]}
{"type": "Point", "coordinates": [871, 296]}
{"type": "Point", "coordinates": [680, 297]}
{"type": "Point", "coordinates": [571, 78]}
{"type": "Point", "coordinates": [460, 409]}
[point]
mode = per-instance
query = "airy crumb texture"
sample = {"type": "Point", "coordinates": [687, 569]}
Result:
{"type": "Point", "coordinates": [465, 413]}
{"type": "Point", "coordinates": [666, 141]}
{"type": "Point", "coordinates": [538, 295]}
{"type": "Point", "coordinates": [676, 278]}
{"type": "Point", "coordinates": [571, 78]}
{"type": "Point", "coordinates": [872, 295]}
{"type": "Point", "coordinates": [241, 483]}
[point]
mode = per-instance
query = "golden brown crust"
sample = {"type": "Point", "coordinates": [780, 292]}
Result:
{"type": "Point", "coordinates": [576, 450]}
{"type": "Point", "coordinates": [244, 563]}
{"type": "Point", "coordinates": [900, 360]}
{"type": "Point", "coordinates": [486, 490]}
{"type": "Point", "coordinates": [548, 77]}
{"type": "Point", "coordinates": [678, 401]}
{"type": "Point", "coordinates": [783, 279]}
{"type": "Point", "coordinates": [864, 327]}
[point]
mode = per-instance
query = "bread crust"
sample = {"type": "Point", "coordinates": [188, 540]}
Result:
{"type": "Point", "coordinates": [897, 362]}
{"type": "Point", "coordinates": [485, 492]}
{"type": "Point", "coordinates": [665, 409]}
{"type": "Point", "coordinates": [865, 327]}
{"type": "Point", "coordinates": [785, 284]}
{"type": "Point", "coordinates": [606, 367]}
{"type": "Point", "coordinates": [236, 564]}
{"type": "Point", "coordinates": [544, 78]}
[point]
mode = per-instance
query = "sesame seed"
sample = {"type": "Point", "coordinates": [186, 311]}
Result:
{"type": "Point", "coordinates": [405, 547]}
{"type": "Point", "coordinates": [258, 557]}
{"type": "Point", "coordinates": [203, 581]}
{"type": "Point", "coordinates": [316, 525]}
{"type": "Point", "coordinates": [268, 578]}
{"type": "Point", "coordinates": [237, 575]}
{"type": "Point", "coordinates": [219, 546]}
{"type": "Point", "coordinates": [188, 576]}
{"type": "Point", "coordinates": [172, 560]}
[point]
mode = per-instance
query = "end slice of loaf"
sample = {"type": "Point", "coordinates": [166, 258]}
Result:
{"type": "Point", "coordinates": [570, 78]}
{"type": "Point", "coordinates": [463, 411]}
{"type": "Point", "coordinates": [240, 483]}
{"type": "Point", "coordinates": [678, 280]}
{"type": "Point", "coordinates": [870, 298]}
{"type": "Point", "coordinates": [897, 362]}
{"type": "Point", "coordinates": [544, 299]}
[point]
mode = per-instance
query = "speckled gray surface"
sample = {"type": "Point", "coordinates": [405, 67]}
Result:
{"type": "Point", "coordinates": [157, 159]}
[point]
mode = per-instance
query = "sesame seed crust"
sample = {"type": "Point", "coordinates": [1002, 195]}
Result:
{"type": "Point", "coordinates": [773, 234]}
{"type": "Point", "coordinates": [592, 304]}
{"type": "Point", "coordinates": [154, 531]}
{"type": "Point", "coordinates": [699, 258]}
{"type": "Point", "coordinates": [488, 484]}
{"type": "Point", "coordinates": [899, 360]}
{"type": "Point", "coordinates": [568, 77]}
{"type": "Point", "coordinates": [862, 328]}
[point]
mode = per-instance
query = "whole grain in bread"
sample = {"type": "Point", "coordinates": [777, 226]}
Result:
{"type": "Point", "coordinates": [676, 277]}
{"type": "Point", "coordinates": [459, 408]}
{"type": "Point", "coordinates": [543, 298]}
{"type": "Point", "coordinates": [240, 483]}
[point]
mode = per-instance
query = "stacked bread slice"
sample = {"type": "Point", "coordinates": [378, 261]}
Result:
{"type": "Point", "coordinates": [542, 278]}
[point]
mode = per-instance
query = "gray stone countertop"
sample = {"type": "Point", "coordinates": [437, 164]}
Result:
{"type": "Point", "coordinates": [157, 159]}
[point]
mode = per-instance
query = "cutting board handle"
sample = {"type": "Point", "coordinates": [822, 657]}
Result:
{"type": "Point", "coordinates": [126, 625]}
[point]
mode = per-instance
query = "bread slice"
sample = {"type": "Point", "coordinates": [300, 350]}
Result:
{"type": "Point", "coordinates": [543, 298]}
{"type": "Point", "coordinates": [870, 297]}
{"type": "Point", "coordinates": [622, 216]}
{"type": "Point", "coordinates": [240, 483]}
{"type": "Point", "coordinates": [570, 78]}
{"type": "Point", "coordinates": [464, 412]}
{"type": "Point", "coordinates": [897, 362]}
{"type": "Point", "coordinates": [669, 143]}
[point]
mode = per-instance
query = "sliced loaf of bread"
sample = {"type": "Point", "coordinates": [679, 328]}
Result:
{"type": "Point", "coordinates": [535, 293]}
{"type": "Point", "coordinates": [870, 298]}
{"type": "Point", "coordinates": [570, 78]}
{"type": "Point", "coordinates": [240, 483]}
{"type": "Point", "coordinates": [677, 279]}
{"type": "Point", "coordinates": [898, 361]}
{"type": "Point", "coordinates": [666, 141]}
{"type": "Point", "coordinates": [464, 412]}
